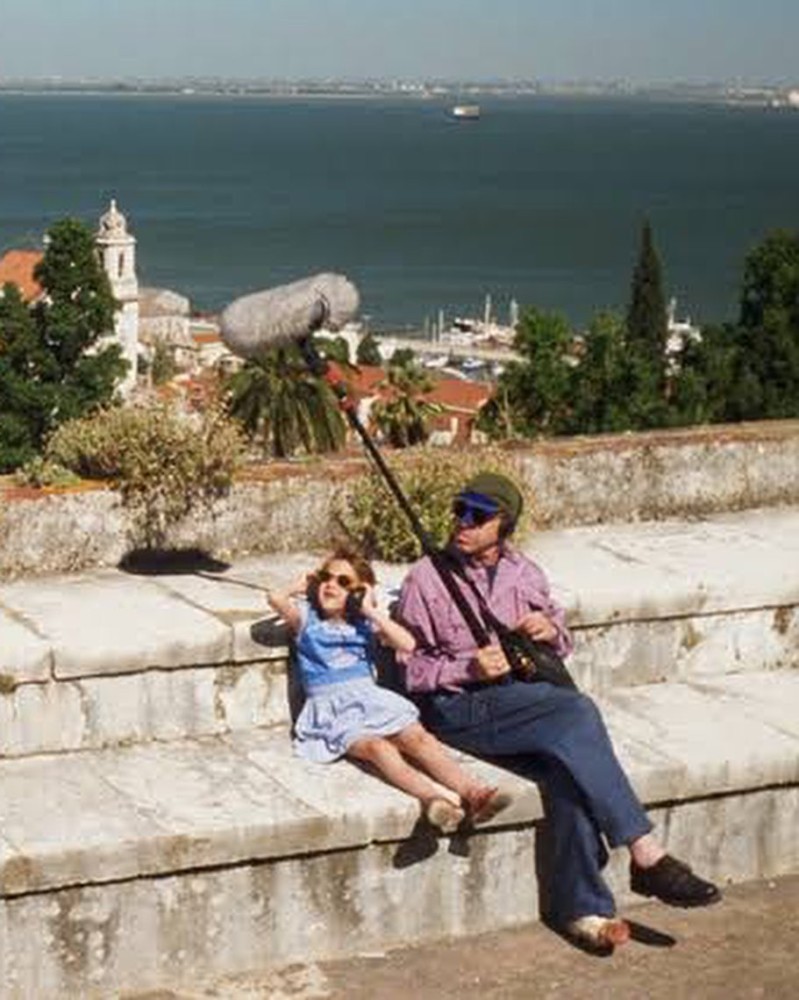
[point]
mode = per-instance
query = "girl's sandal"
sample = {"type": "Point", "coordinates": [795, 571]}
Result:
{"type": "Point", "coordinates": [444, 815]}
{"type": "Point", "coordinates": [484, 804]}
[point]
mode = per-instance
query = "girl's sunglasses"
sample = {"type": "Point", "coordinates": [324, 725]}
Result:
{"type": "Point", "coordinates": [344, 581]}
{"type": "Point", "coordinates": [470, 515]}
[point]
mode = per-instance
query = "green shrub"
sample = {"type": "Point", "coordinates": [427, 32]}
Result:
{"type": "Point", "coordinates": [370, 517]}
{"type": "Point", "coordinates": [42, 472]}
{"type": "Point", "coordinates": [163, 462]}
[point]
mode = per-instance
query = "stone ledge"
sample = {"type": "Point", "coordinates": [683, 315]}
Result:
{"type": "Point", "coordinates": [161, 809]}
{"type": "Point", "coordinates": [108, 622]}
{"type": "Point", "coordinates": [285, 507]}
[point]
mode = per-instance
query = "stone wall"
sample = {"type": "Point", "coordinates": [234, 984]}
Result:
{"type": "Point", "coordinates": [284, 507]}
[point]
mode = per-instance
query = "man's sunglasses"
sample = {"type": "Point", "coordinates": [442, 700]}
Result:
{"type": "Point", "coordinates": [344, 581]}
{"type": "Point", "coordinates": [471, 516]}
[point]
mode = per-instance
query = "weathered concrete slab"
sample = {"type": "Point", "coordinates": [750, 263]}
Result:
{"type": "Point", "coordinates": [659, 620]}
{"type": "Point", "coordinates": [687, 648]}
{"type": "Point", "coordinates": [721, 744]}
{"type": "Point", "coordinates": [159, 808]}
{"type": "Point", "coordinates": [672, 568]}
{"type": "Point", "coordinates": [110, 623]}
{"type": "Point", "coordinates": [383, 812]}
{"type": "Point", "coordinates": [773, 700]}
{"type": "Point", "coordinates": [95, 712]}
{"type": "Point", "coordinates": [237, 597]}
{"type": "Point", "coordinates": [24, 655]}
{"type": "Point", "coordinates": [42, 718]}
{"type": "Point", "coordinates": [68, 827]}
{"type": "Point", "coordinates": [101, 940]}
{"type": "Point", "coordinates": [215, 805]}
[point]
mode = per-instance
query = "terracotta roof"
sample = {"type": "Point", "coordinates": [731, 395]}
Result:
{"type": "Point", "coordinates": [460, 395]}
{"type": "Point", "coordinates": [16, 267]}
{"type": "Point", "coordinates": [452, 393]}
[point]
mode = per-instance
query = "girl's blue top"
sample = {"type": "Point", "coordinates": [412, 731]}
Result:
{"type": "Point", "coordinates": [331, 652]}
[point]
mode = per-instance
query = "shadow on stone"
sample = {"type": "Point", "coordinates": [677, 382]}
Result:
{"type": "Point", "coordinates": [595, 951]}
{"type": "Point", "coordinates": [419, 846]}
{"type": "Point", "coordinates": [170, 562]}
{"type": "Point", "coordinates": [270, 632]}
{"type": "Point", "coordinates": [648, 935]}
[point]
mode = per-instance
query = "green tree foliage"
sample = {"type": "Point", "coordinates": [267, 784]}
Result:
{"type": "Point", "coordinates": [335, 349]}
{"type": "Point", "coordinates": [163, 365]}
{"type": "Point", "coordinates": [647, 323]}
{"type": "Point", "coordinates": [647, 334]}
{"type": "Point", "coordinates": [25, 402]}
{"type": "Point", "coordinates": [71, 320]}
{"type": "Point", "coordinates": [403, 356]}
{"type": "Point", "coordinates": [702, 388]}
{"type": "Point", "coordinates": [403, 416]}
{"type": "Point", "coordinates": [284, 408]}
{"type": "Point", "coordinates": [766, 375]}
{"type": "Point", "coordinates": [601, 380]}
{"type": "Point", "coordinates": [53, 366]}
{"type": "Point", "coordinates": [534, 395]}
{"type": "Point", "coordinates": [368, 351]}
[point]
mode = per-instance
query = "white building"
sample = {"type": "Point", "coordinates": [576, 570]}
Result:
{"type": "Point", "coordinates": [117, 249]}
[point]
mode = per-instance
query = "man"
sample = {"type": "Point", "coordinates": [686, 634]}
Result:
{"type": "Point", "coordinates": [470, 698]}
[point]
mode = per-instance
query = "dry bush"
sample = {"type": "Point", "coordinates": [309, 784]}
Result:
{"type": "Point", "coordinates": [164, 462]}
{"type": "Point", "coordinates": [371, 518]}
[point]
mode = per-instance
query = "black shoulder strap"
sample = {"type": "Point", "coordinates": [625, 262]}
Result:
{"type": "Point", "coordinates": [488, 615]}
{"type": "Point", "coordinates": [447, 568]}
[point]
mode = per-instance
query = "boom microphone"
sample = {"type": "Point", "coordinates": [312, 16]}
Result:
{"type": "Point", "coordinates": [278, 316]}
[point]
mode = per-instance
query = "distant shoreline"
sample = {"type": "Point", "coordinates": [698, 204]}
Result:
{"type": "Point", "coordinates": [756, 98]}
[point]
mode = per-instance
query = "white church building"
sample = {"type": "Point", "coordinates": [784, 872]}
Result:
{"type": "Point", "coordinates": [117, 249]}
{"type": "Point", "coordinates": [144, 315]}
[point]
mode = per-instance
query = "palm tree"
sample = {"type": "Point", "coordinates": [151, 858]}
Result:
{"type": "Point", "coordinates": [284, 407]}
{"type": "Point", "coordinates": [404, 415]}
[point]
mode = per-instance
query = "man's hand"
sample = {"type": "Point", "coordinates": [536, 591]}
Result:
{"type": "Point", "coordinates": [536, 625]}
{"type": "Point", "coordinates": [491, 663]}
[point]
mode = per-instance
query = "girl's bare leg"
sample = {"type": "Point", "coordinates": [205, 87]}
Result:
{"type": "Point", "coordinates": [482, 802]}
{"type": "Point", "coordinates": [386, 758]}
{"type": "Point", "coordinates": [427, 751]}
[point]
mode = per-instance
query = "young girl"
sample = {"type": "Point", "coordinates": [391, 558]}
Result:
{"type": "Point", "coordinates": [347, 714]}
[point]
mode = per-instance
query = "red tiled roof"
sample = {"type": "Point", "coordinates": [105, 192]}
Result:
{"type": "Point", "coordinates": [451, 393]}
{"type": "Point", "coordinates": [16, 267]}
{"type": "Point", "coordinates": [205, 337]}
{"type": "Point", "coordinates": [460, 395]}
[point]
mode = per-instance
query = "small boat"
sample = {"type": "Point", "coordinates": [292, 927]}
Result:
{"type": "Point", "coordinates": [466, 112]}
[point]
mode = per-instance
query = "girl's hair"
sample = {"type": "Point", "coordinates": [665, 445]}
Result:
{"type": "Point", "coordinates": [362, 567]}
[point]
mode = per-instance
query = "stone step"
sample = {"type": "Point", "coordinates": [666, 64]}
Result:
{"type": "Point", "coordinates": [107, 657]}
{"type": "Point", "coordinates": [141, 865]}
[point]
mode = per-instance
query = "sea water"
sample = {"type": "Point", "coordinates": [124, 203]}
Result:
{"type": "Point", "coordinates": [541, 199]}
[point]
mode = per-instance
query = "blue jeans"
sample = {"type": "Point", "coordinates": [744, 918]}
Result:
{"type": "Point", "coordinates": [556, 737]}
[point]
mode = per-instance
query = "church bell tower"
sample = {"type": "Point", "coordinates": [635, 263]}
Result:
{"type": "Point", "coordinates": [117, 249]}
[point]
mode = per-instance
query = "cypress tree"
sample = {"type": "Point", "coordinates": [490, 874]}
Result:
{"type": "Point", "coordinates": [647, 333]}
{"type": "Point", "coordinates": [647, 325]}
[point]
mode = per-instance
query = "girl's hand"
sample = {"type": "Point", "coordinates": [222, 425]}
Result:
{"type": "Point", "coordinates": [300, 586]}
{"type": "Point", "coordinates": [369, 607]}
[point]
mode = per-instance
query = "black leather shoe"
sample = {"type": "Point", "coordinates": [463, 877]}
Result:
{"type": "Point", "coordinates": [672, 881]}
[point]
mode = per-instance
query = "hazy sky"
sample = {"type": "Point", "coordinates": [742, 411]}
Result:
{"type": "Point", "coordinates": [640, 40]}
